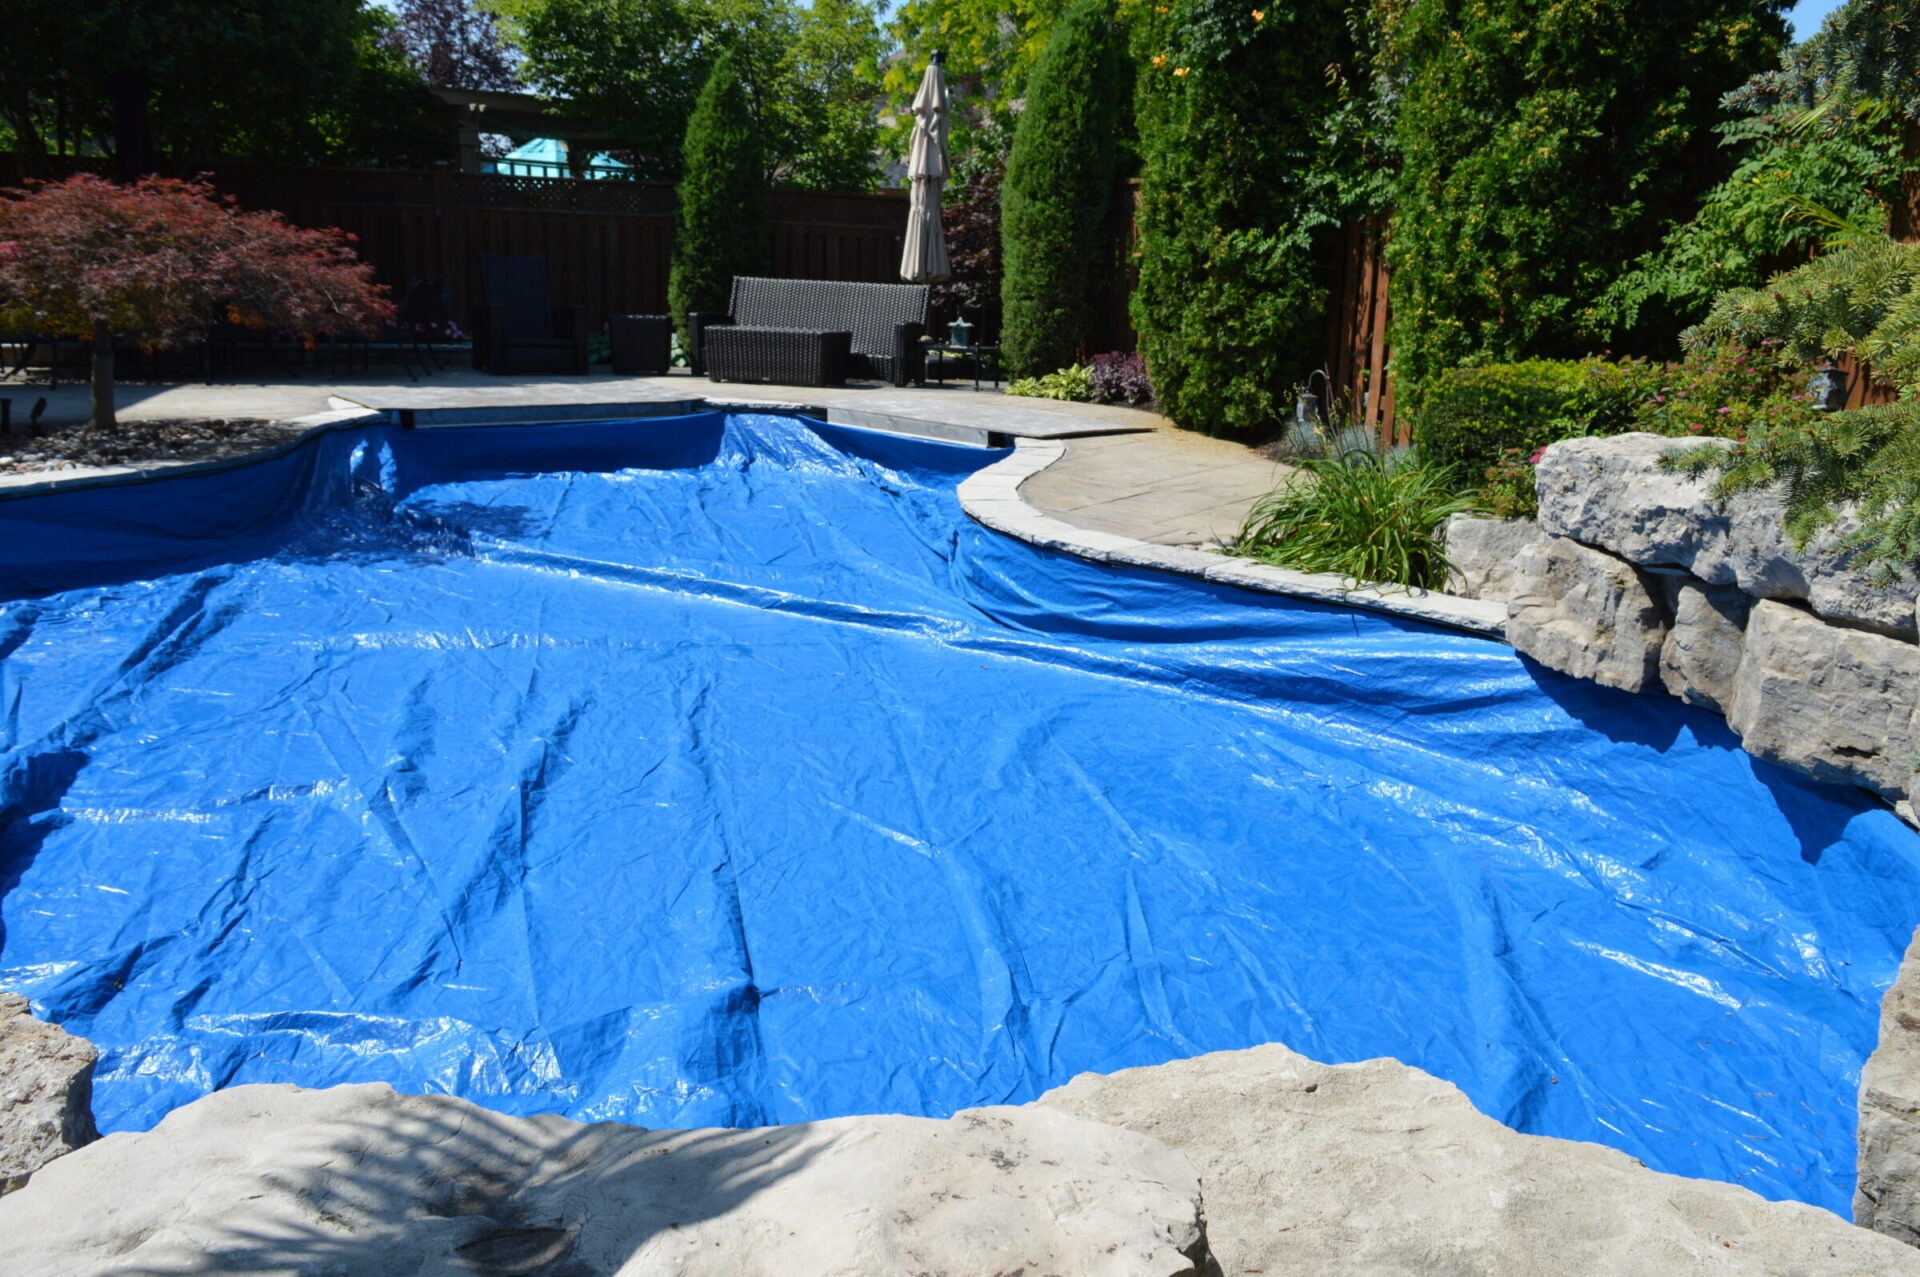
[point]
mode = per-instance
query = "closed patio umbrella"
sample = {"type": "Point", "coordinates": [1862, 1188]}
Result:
{"type": "Point", "coordinates": [924, 259]}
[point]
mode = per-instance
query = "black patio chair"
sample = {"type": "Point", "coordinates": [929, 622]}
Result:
{"type": "Point", "coordinates": [410, 336]}
{"type": "Point", "coordinates": [516, 331]}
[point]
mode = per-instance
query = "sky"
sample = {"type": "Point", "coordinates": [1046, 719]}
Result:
{"type": "Point", "coordinates": [1806, 16]}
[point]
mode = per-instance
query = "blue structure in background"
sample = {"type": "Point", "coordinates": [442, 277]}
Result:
{"type": "Point", "coordinates": [549, 157]}
{"type": "Point", "coordinates": [719, 770]}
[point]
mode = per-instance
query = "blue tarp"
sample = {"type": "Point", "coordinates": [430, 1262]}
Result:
{"type": "Point", "coordinates": [721, 771]}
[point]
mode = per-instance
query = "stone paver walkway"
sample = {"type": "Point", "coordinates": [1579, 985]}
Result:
{"type": "Point", "coordinates": [1167, 486]}
{"type": "Point", "coordinates": [1125, 471]}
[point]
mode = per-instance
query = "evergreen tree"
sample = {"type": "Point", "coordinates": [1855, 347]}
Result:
{"type": "Point", "coordinates": [1059, 182]}
{"type": "Point", "coordinates": [1242, 187]}
{"type": "Point", "coordinates": [1543, 149]}
{"type": "Point", "coordinates": [723, 227]}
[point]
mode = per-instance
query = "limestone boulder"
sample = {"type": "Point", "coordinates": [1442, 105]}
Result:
{"type": "Point", "coordinates": [1612, 493]}
{"type": "Point", "coordinates": [360, 1180]}
{"type": "Point", "coordinates": [1481, 553]}
{"type": "Point", "coordinates": [1839, 704]}
{"type": "Point", "coordinates": [1378, 1168]}
{"type": "Point", "coordinates": [46, 1092]}
{"type": "Point", "coordinates": [1586, 613]}
{"type": "Point", "coordinates": [1701, 655]}
{"type": "Point", "coordinates": [1886, 1197]}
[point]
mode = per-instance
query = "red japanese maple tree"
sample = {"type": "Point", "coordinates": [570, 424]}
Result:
{"type": "Point", "coordinates": [160, 261]}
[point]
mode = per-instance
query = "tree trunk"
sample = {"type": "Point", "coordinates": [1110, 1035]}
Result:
{"type": "Point", "coordinates": [103, 418]}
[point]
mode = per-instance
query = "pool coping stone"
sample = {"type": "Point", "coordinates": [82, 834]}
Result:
{"type": "Point", "coordinates": [992, 497]}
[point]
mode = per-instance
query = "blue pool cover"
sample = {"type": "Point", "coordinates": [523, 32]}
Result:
{"type": "Point", "coordinates": [719, 770]}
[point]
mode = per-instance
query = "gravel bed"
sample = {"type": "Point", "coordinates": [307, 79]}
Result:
{"type": "Point", "coordinates": [134, 443]}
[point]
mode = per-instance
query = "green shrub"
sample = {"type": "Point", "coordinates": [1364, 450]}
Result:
{"type": "Point", "coordinates": [1060, 175]}
{"type": "Point", "coordinates": [1542, 149]}
{"type": "Point", "coordinates": [1473, 417]}
{"type": "Point", "coordinates": [1367, 518]}
{"type": "Point", "coordinates": [1507, 488]}
{"type": "Point", "coordinates": [1745, 225]}
{"type": "Point", "coordinates": [1494, 420]}
{"type": "Point", "coordinates": [1819, 141]}
{"type": "Point", "coordinates": [1862, 297]}
{"type": "Point", "coordinates": [1726, 392]}
{"type": "Point", "coordinates": [1073, 383]}
{"type": "Point", "coordinates": [724, 223]}
{"type": "Point", "coordinates": [1236, 215]}
{"type": "Point", "coordinates": [1867, 458]}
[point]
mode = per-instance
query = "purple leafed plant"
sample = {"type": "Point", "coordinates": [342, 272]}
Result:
{"type": "Point", "coordinates": [1120, 377]}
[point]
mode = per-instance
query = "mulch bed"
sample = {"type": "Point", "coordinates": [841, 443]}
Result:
{"type": "Point", "coordinates": [133, 443]}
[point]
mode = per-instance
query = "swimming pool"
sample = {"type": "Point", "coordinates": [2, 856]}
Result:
{"type": "Point", "coordinates": [719, 770]}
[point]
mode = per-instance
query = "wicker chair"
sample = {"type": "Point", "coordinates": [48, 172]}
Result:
{"type": "Point", "coordinates": [810, 332]}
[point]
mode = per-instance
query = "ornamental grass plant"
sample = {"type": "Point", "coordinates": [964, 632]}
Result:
{"type": "Point", "coordinates": [1369, 518]}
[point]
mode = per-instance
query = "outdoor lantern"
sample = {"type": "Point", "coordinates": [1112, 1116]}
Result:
{"type": "Point", "coordinates": [1309, 411]}
{"type": "Point", "coordinates": [1306, 410]}
{"type": "Point", "coordinates": [960, 333]}
{"type": "Point", "coordinates": [1828, 389]}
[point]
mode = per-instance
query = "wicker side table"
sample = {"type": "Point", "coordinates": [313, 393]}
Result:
{"type": "Point", "coordinates": [641, 343]}
{"type": "Point", "coordinates": [784, 356]}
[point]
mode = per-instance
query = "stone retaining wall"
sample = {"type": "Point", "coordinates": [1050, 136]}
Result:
{"type": "Point", "coordinates": [1637, 578]}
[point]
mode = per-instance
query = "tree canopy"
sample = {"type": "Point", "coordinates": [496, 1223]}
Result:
{"type": "Point", "coordinates": [452, 44]}
{"type": "Point", "coordinates": [811, 73]}
{"type": "Point", "coordinates": [160, 261]}
{"type": "Point", "coordinates": [991, 48]}
{"type": "Point", "coordinates": [294, 81]}
{"type": "Point", "coordinates": [1543, 148]}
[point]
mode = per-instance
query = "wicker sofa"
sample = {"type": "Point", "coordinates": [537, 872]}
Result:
{"type": "Point", "coordinates": [810, 332]}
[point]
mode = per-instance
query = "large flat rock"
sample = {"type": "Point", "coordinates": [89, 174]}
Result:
{"type": "Point", "coordinates": [1612, 493]}
{"type": "Point", "coordinates": [46, 1092]}
{"type": "Point", "coordinates": [1700, 659]}
{"type": "Point", "coordinates": [1481, 554]}
{"type": "Point", "coordinates": [1381, 1169]}
{"type": "Point", "coordinates": [1838, 704]}
{"type": "Point", "coordinates": [1886, 1197]}
{"type": "Point", "coordinates": [359, 1180]}
{"type": "Point", "coordinates": [1586, 613]}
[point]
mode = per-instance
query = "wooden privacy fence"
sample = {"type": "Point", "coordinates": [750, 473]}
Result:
{"type": "Point", "coordinates": [607, 244]}
{"type": "Point", "coordinates": [1356, 343]}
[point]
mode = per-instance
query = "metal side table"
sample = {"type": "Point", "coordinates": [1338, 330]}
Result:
{"type": "Point", "coordinates": [985, 360]}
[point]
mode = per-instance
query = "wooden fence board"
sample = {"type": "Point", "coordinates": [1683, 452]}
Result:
{"type": "Point", "coordinates": [609, 243]}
